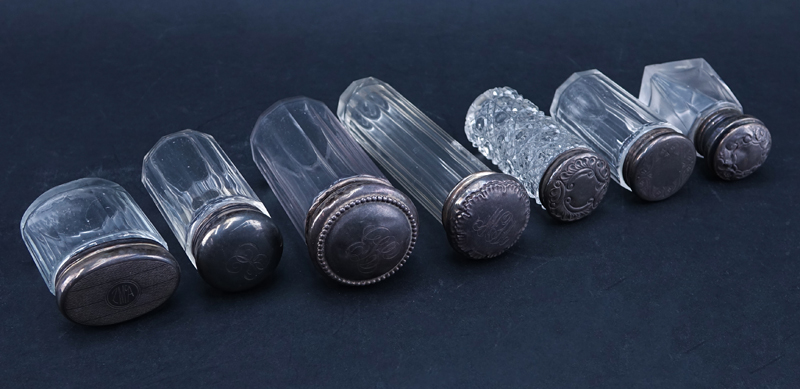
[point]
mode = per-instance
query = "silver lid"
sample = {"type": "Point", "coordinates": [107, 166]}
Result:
{"type": "Point", "coordinates": [116, 282]}
{"type": "Point", "coordinates": [485, 214]}
{"type": "Point", "coordinates": [236, 248]}
{"type": "Point", "coordinates": [361, 230]}
{"type": "Point", "coordinates": [574, 184]}
{"type": "Point", "coordinates": [658, 164]}
{"type": "Point", "coordinates": [734, 145]}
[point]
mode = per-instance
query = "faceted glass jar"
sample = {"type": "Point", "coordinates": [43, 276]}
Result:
{"type": "Point", "coordinates": [690, 95]}
{"type": "Point", "coordinates": [484, 213]}
{"type": "Point", "coordinates": [97, 252]}
{"type": "Point", "coordinates": [647, 155]}
{"type": "Point", "coordinates": [557, 168]}
{"type": "Point", "coordinates": [221, 224]}
{"type": "Point", "coordinates": [358, 228]}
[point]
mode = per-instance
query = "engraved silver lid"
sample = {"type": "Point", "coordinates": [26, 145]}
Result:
{"type": "Point", "coordinates": [236, 248]}
{"type": "Point", "coordinates": [361, 230]}
{"type": "Point", "coordinates": [658, 164]}
{"type": "Point", "coordinates": [485, 214]}
{"type": "Point", "coordinates": [574, 184]}
{"type": "Point", "coordinates": [116, 282]}
{"type": "Point", "coordinates": [734, 145]}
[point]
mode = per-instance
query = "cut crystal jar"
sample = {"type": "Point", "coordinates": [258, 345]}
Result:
{"type": "Point", "coordinates": [647, 155]}
{"type": "Point", "coordinates": [219, 221]}
{"type": "Point", "coordinates": [690, 95]}
{"type": "Point", "coordinates": [98, 253]}
{"type": "Point", "coordinates": [558, 169]}
{"type": "Point", "coordinates": [484, 213]}
{"type": "Point", "coordinates": [358, 228]}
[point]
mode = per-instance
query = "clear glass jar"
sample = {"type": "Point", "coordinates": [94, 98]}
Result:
{"type": "Point", "coordinates": [557, 168]}
{"type": "Point", "coordinates": [358, 228]}
{"type": "Point", "coordinates": [483, 212]}
{"type": "Point", "coordinates": [219, 221]}
{"type": "Point", "coordinates": [647, 155]}
{"type": "Point", "coordinates": [690, 95]}
{"type": "Point", "coordinates": [98, 253]}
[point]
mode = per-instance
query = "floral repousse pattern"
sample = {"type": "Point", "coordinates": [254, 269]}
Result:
{"type": "Point", "coordinates": [562, 202]}
{"type": "Point", "coordinates": [518, 138]}
{"type": "Point", "coordinates": [750, 146]}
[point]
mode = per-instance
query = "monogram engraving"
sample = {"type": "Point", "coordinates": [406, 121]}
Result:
{"type": "Point", "coordinates": [490, 219]}
{"type": "Point", "coordinates": [122, 294]}
{"type": "Point", "coordinates": [247, 261]}
{"type": "Point", "coordinates": [495, 229]}
{"type": "Point", "coordinates": [376, 244]}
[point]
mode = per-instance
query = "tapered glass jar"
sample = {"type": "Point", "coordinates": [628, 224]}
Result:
{"type": "Point", "coordinates": [98, 253]}
{"type": "Point", "coordinates": [647, 155]}
{"type": "Point", "coordinates": [690, 95]}
{"type": "Point", "coordinates": [219, 221]}
{"type": "Point", "coordinates": [484, 213]}
{"type": "Point", "coordinates": [557, 168]}
{"type": "Point", "coordinates": [358, 228]}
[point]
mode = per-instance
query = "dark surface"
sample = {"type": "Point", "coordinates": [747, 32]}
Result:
{"type": "Point", "coordinates": [700, 290]}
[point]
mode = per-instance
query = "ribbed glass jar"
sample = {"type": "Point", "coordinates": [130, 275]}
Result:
{"type": "Point", "coordinates": [418, 153]}
{"type": "Point", "coordinates": [77, 216]}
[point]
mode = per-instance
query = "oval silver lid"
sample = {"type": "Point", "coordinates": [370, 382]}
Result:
{"type": "Point", "coordinates": [485, 214]}
{"type": "Point", "coordinates": [574, 184]}
{"type": "Point", "coordinates": [116, 282]}
{"type": "Point", "coordinates": [361, 230]}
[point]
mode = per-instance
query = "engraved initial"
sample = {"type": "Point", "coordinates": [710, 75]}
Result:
{"type": "Point", "coordinates": [376, 244]}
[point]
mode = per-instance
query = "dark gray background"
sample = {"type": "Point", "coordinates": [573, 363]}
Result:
{"type": "Point", "coordinates": [700, 290]}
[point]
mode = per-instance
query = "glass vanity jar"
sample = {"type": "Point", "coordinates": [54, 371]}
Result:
{"type": "Point", "coordinates": [647, 155]}
{"type": "Point", "coordinates": [483, 212]}
{"type": "Point", "coordinates": [358, 228]}
{"type": "Point", "coordinates": [691, 96]}
{"type": "Point", "coordinates": [219, 221]}
{"type": "Point", "coordinates": [558, 169]}
{"type": "Point", "coordinates": [98, 253]}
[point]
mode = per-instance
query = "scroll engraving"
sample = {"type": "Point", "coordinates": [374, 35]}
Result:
{"type": "Point", "coordinates": [377, 244]}
{"type": "Point", "coordinates": [248, 261]}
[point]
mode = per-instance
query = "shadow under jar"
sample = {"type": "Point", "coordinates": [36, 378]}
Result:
{"type": "Point", "coordinates": [558, 169]}
{"type": "Point", "coordinates": [358, 228]}
{"type": "Point", "coordinates": [647, 155]}
{"type": "Point", "coordinates": [483, 212]}
{"type": "Point", "coordinates": [690, 95]}
{"type": "Point", "coordinates": [98, 253]}
{"type": "Point", "coordinates": [219, 221]}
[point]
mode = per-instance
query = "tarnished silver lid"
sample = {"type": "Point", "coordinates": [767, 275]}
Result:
{"type": "Point", "coordinates": [236, 248]}
{"type": "Point", "coordinates": [485, 214]}
{"type": "Point", "coordinates": [734, 145]}
{"type": "Point", "coordinates": [574, 184]}
{"type": "Point", "coordinates": [361, 230]}
{"type": "Point", "coordinates": [658, 164]}
{"type": "Point", "coordinates": [115, 282]}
